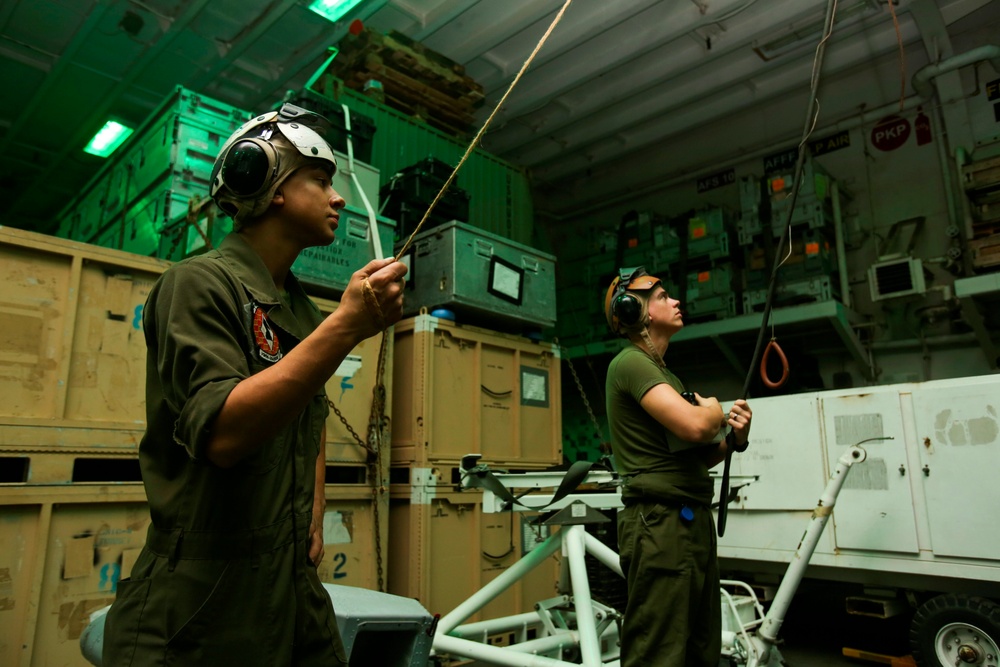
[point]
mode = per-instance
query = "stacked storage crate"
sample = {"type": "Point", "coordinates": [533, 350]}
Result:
{"type": "Point", "coordinates": [691, 253]}
{"type": "Point", "coordinates": [460, 390]}
{"type": "Point", "coordinates": [586, 267]}
{"type": "Point", "coordinates": [981, 180]}
{"type": "Point", "coordinates": [73, 512]}
{"type": "Point", "coordinates": [809, 273]}
{"type": "Point", "coordinates": [410, 192]}
{"type": "Point", "coordinates": [140, 200]}
{"type": "Point", "coordinates": [484, 278]}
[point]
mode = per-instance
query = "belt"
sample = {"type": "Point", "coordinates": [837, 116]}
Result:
{"type": "Point", "coordinates": [182, 544]}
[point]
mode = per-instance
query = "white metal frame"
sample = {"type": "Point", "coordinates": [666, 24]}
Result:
{"type": "Point", "coordinates": [576, 623]}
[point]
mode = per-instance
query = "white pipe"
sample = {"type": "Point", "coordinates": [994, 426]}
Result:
{"type": "Point", "coordinates": [921, 80]}
{"type": "Point", "coordinates": [547, 643]}
{"type": "Point", "coordinates": [768, 633]}
{"type": "Point", "coordinates": [840, 246]}
{"type": "Point", "coordinates": [590, 648]}
{"type": "Point", "coordinates": [603, 553]}
{"type": "Point", "coordinates": [372, 220]}
{"type": "Point", "coordinates": [490, 591]}
{"type": "Point", "coordinates": [493, 655]}
{"type": "Point", "coordinates": [960, 160]}
{"type": "Point", "coordinates": [505, 624]}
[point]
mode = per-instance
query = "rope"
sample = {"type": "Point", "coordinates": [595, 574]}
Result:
{"type": "Point", "coordinates": [812, 113]}
{"type": "Point", "coordinates": [376, 419]}
{"type": "Point", "coordinates": [482, 130]}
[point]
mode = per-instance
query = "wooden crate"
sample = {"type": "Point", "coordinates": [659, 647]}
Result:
{"type": "Point", "coordinates": [462, 390]}
{"type": "Point", "coordinates": [72, 351]}
{"type": "Point", "coordinates": [64, 548]}
{"type": "Point", "coordinates": [445, 548]}
{"type": "Point", "coordinates": [985, 251]}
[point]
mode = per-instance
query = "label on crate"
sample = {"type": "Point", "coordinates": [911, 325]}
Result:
{"type": "Point", "coordinates": [349, 366]}
{"type": "Point", "coordinates": [534, 387]}
{"type": "Point", "coordinates": [334, 529]}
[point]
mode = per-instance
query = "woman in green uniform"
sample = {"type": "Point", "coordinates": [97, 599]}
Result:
{"type": "Point", "coordinates": [666, 534]}
{"type": "Point", "coordinates": [233, 456]}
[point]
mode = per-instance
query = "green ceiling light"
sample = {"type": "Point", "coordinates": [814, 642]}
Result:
{"type": "Point", "coordinates": [333, 10]}
{"type": "Point", "coordinates": [108, 138]}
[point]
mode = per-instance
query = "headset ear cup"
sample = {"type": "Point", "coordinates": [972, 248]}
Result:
{"type": "Point", "coordinates": [628, 310]}
{"type": "Point", "coordinates": [247, 166]}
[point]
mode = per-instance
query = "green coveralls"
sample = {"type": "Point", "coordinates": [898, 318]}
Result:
{"type": "Point", "coordinates": [667, 552]}
{"type": "Point", "coordinates": [225, 576]}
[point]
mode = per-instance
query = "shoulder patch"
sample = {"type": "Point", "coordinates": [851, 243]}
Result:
{"type": "Point", "coordinates": [265, 336]}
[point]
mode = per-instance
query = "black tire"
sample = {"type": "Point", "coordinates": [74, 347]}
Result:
{"type": "Point", "coordinates": [952, 630]}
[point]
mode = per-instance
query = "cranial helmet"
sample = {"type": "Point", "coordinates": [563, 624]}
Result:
{"type": "Point", "coordinates": [625, 304]}
{"type": "Point", "coordinates": [261, 154]}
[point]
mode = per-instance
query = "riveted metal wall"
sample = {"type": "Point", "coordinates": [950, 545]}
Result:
{"type": "Point", "coordinates": [500, 196]}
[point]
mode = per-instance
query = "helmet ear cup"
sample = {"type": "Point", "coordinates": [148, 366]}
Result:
{"type": "Point", "coordinates": [628, 309]}
{"type": "Point", "coordinates": [247, 167]}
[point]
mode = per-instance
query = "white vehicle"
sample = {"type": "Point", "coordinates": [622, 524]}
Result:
{"type": "Point", "coordinates": [915, 522]}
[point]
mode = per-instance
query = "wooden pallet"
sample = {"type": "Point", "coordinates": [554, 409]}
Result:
{"type": "Point", "coordinates": [415, 79]}
{"type": "Point", "coordinates": [982, 175]}
{"type": "Point", "coordinates": [985, 251]}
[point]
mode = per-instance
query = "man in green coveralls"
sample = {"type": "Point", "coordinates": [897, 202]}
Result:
{"type": "Point", "coordinates": [664, 445]}
{"type": "Point", "coordinates": [233, 456]}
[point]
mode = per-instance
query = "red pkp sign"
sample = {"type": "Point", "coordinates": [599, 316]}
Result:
{"type": "Point", "coordinates": [890, 133]}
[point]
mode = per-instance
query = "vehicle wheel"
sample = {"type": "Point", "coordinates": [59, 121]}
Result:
{"type": "Point", "coordinates": [955, 630]}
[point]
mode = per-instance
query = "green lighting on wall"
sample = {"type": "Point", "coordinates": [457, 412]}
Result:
{"type": "Point", "coordinates": [333, 10]}
{"type": "Point", "coordinates": [108, 139]}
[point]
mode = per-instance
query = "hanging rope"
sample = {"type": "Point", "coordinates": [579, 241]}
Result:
{"type": "Point", "coordinates": [812, 114]}
{"type": "Point", "coordinates": [377, 420]}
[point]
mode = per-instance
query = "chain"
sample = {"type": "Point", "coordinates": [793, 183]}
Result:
{"type": "Point", "coordinates": [377, 426]}
{"type": "Point", "coordinates": [586, 402]}
{"type": "Point", "coordinates": [354, 434]}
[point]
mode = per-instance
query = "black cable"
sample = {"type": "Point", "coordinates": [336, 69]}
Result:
{"type": "Point", "coordinates": [796, 183]}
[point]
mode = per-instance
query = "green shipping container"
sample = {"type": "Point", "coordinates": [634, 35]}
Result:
{"type": "Point", "coordinates": [499, 193]}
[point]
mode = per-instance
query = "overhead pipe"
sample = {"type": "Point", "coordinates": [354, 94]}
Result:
{"type": "Point", "coordinates": [922, 79]}
{"type": "Point", "coordinates": [848, 123]}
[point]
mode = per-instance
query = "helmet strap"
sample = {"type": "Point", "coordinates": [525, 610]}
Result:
{"type": "Point", "coordinates": [650, 348]}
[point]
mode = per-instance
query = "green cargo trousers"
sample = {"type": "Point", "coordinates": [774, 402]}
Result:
{"type": "Point", "coordinates": [673, 617]}
{"type": "Point", "coordinates": [265, 609]}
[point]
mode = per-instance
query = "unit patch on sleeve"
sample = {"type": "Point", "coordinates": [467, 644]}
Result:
{"type": "Point", "coordinates": [265, 336]}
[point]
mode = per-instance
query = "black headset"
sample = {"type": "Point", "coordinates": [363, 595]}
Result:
{"type": "Point", "coordinates": [249, 165]}
{"type": "Point", "coordinates": [627, 308]}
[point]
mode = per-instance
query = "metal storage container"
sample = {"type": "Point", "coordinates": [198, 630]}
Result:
{"type": "Point", "coordinates": [499, 193]}
{"type": "Point", "coordinates": [172, 151]}
{"type": "Point", "coordinates": [487, 278]}
{"type": "Point", "coordinates": [76, 357]}
{"type": "Point", "coordinates": [461, 390]}
{"type": "Point", "coordinates": [69, 545]}
{"type": "Point", "coordinates": [445, 548]}
{"type": "Point", "coordinates": [328, 269]}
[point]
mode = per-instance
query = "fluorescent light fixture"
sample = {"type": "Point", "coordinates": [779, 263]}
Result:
{"type": "Point", "coordinates": [108, 139]}
{"type": "Point", "coordinates": [333, 10]}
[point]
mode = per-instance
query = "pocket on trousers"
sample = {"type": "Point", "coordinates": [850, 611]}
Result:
{"type": "Point", "coordinates": [662, 541]}
{"type": "Point", "coordinates": [123, 621]}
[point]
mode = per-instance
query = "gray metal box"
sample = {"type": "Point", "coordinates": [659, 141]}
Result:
{"type": "Point", "coordinates": [481, 276]}
{"type": "Point", "coordinates": [329, 268]}
{"type": "Point", "coordinates": [382, 629]}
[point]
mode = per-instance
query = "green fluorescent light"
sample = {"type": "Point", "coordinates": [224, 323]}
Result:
{"type": "Point", "coordinates": [333, 10]}
{"type": "Point", "coordinates": [108, 138]}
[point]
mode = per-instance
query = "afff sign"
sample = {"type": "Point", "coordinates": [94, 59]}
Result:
{"type": "Point", "coordinates": [890, 133]}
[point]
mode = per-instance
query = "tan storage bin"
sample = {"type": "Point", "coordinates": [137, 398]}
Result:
{"type": "Point", "coordinates": [444, 549]}
{"type": "Point", "coordinates": [73, 353]}
{"type": "Point", "coordinates": [462, 390]}
{"type": "Point", "coordinates": [64, 548]}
